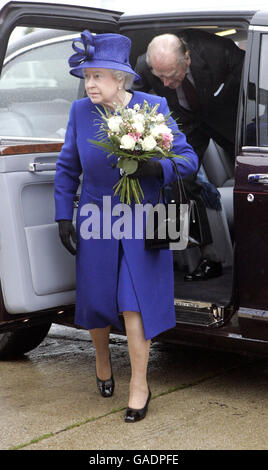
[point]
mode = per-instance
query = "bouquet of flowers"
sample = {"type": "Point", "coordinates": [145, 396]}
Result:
{"type": "Point", "coordinates": [134, 134]}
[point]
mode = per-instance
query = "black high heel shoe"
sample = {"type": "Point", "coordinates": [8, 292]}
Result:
{"type": "Point", "coordinates": [132, 415]}
{"type": "Point", "coordinates": [106, 387]}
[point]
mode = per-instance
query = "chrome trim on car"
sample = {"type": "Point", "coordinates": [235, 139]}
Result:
{"type": "Point", "coordinates": [253, 314]}
{"type": "Point", "coordinates": [192, 304]}
{"type": "Point", "coordinates": [198, 313]}
{"type": "Point", "coordinates": [258, 178]}
{"type": "Point", "coordinates": [258, 28]}
{"type": "Point", "coordinates": [39, 44]}
{"type": "Point", "coordinates": [255, 149]}
{"type": "Point", "coordinates": [37, 166]}
{"type": "Point", "coordinates": [6, 139]}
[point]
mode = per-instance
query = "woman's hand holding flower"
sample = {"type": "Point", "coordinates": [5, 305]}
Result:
{"type": "Point", "coordinates": [148, 168]}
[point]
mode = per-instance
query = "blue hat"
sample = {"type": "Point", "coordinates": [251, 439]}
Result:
{"type": "Point", "coordinates": [108, 51]}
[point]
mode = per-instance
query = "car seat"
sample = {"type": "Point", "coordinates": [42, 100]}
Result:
{"type": "Point", "coordinates": [218, 167]}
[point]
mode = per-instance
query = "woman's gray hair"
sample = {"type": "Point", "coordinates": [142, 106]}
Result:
{"type": "Point", "coordinates": [127, 77]}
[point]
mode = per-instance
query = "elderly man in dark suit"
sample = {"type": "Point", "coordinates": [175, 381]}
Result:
{"type": "Point", "coordinates": [199, 73]}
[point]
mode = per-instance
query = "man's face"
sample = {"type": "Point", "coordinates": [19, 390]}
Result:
{"type": "Point", "coordinates": [171, 72]}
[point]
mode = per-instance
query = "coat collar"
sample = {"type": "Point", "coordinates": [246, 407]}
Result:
{"type": "Point", "coordinates": [201, 75]}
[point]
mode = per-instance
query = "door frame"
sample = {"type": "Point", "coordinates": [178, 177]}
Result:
{"type": "Point", "coordinates": [252, 315]}
{"type": "Point", "coordinates": [63, 17]}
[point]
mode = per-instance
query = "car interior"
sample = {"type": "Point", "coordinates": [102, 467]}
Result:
{"type": "Point", "coordinates": [219, 168]}
{"type": "Point", "coordinates": [36, 91]}
{"type": "Point", "coordinates": [43, 112]}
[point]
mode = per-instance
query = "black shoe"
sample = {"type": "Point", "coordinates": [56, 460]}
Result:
{"type": "Point", "coordinates": [106, 387]}
{"type": "Point", "coordinates": [132, 415]}
{"type": "Point", "coordinates": [205, 270]}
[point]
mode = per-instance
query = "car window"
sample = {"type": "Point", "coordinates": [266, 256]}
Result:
{"type": "Point", "coordinates": [36, 89]}
{"type": "Point", "coordinates": [263, 93]}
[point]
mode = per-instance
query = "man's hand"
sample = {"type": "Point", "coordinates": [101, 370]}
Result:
{"type": "Point", "coordinates": [67, 230]}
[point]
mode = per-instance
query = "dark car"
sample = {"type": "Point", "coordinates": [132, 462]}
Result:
{"type": "Point", "coordinates": [37, 274]}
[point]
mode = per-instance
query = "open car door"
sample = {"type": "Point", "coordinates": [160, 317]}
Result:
{"type": "Point", "coordinates": [36, 92]}
{"type": "Point", "coordinates": [251, 188]}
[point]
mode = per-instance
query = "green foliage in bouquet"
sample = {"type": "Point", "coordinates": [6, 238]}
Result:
{"type": "Point", "coordinates": [133, 134]}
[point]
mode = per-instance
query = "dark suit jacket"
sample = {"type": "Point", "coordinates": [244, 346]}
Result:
{"type": "Point", "coordinates": [214, 60]}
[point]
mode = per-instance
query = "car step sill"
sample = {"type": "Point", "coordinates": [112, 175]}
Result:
{"type": "Point", "coordinates": [192, 312]}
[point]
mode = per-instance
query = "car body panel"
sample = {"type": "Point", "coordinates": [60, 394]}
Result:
{"type": "Point", "coordinates": [251, 195]}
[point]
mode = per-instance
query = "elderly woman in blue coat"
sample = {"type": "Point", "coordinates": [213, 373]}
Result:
{"type": "Point", "coordinates": [114, 275]}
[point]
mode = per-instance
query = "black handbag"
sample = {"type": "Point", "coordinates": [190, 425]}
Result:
{"type": "Point", "coordinates": [178, 217]}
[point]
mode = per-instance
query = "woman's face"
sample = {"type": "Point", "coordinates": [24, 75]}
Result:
{"type": "Point", "coordinates": [102, 87]}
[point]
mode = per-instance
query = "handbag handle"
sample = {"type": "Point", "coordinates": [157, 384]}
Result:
{"type": "Point", "coordinates": [180, 183]}
{"type": "Point", "coordinates": [179, 186]}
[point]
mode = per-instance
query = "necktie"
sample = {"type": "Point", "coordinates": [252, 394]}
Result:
{"type": "Point", "coordinates": [191, 95]}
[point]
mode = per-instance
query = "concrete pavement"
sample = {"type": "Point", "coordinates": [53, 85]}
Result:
{"type": "Point", "coordinates": [201, 399]}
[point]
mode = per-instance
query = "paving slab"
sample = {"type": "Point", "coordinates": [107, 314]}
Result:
{"type": "Point", "coordinates": [215, 414]}
{"type": "Point", "coordinates": [201, 399]}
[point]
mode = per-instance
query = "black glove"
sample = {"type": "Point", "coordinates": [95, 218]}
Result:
{"type": "Point", "coordinates": [67, 230]}
{"type": "Point", "coordinates": [148, 168]}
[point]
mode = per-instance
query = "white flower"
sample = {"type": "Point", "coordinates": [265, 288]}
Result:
{"type": "Point", "coordinates": [160, 118]}
{"type": "Point", "coordinates": [160, 129]}
{"type": "Point", "coordinates": [148, 143]}
{"type": "Point", "coordinates": [139, 117]}
{"type": "Point", "coordinates": [114, 123]}
{"type": "Point", "coordinates": [138, 126]}
{"type": "Point", "coordinates": [137, 107]}
{"type": "Point", "coordinates": [127, 142]}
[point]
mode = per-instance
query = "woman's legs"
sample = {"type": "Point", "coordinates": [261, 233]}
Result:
{"type": "Point", "coordinates": [100, 338]}
{"type": "Point", "coordinates": [138, 348]}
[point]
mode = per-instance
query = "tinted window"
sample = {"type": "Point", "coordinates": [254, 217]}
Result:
{"type": "Point", "coordinates": [36, 89]}
{"type": "Point", "coordinates": [263, 93]}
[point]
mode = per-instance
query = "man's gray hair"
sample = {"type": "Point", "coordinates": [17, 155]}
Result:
{"type": "Point", "coordinates": [167, 44]}
{"type": "Point", "coordinates": [127, 77]}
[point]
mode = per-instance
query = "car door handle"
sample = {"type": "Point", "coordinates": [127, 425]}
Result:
{"type": "Point", "coordinates": [34, 166]}
{"type": "Point", "coordinates": [258, 178]}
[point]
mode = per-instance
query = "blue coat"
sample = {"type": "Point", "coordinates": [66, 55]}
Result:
{"type": "Point", "coordinates": [97, 258]}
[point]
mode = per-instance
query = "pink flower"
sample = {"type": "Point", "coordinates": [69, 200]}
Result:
{"type": "Point", "coordinates": [167, 140]}
{"type": "Point", "coordinates": [135, 136]}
